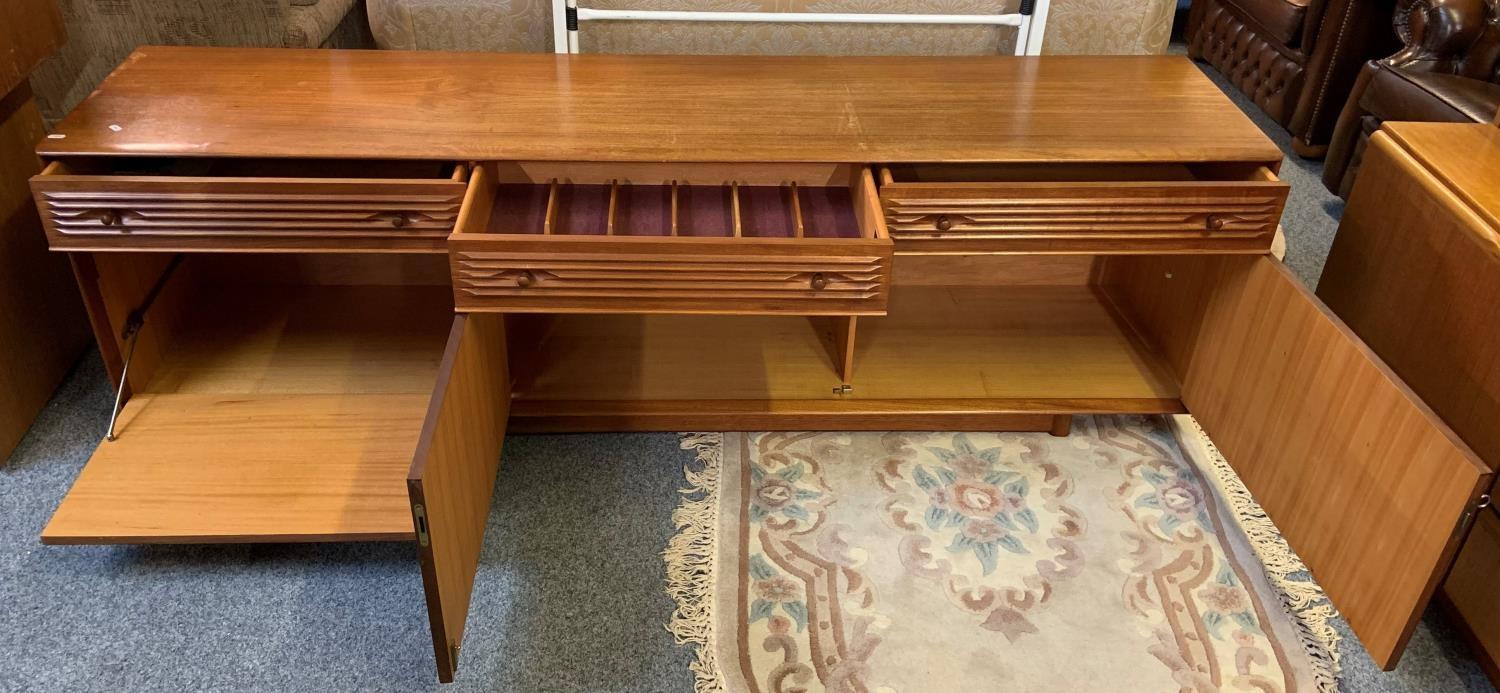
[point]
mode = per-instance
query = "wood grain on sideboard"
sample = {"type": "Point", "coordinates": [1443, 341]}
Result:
{"type": "Point", "coordinates": [484, 106]}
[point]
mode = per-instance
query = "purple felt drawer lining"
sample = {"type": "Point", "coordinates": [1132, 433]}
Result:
{"type": "Point", "coordinates": [703, 210]}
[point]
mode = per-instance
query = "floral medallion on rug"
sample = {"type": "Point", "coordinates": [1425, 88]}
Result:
{"type": "Point", "coordinates": [1118, 558]}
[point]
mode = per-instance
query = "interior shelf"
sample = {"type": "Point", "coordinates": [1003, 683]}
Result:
{"type": "Point", "coordinates": [278, 414]}
{"type": "Point", "coordinates": [983, 349]}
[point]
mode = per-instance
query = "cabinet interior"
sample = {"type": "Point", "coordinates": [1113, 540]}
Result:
{"type": "Point", "coordinates": [996, 334]}
{"type": "Point", "coordinates": [295, 386]}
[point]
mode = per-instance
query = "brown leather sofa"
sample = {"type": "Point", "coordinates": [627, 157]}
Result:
{"type": "Point", "coordinates": [1449, 71]}
{"type": "Point", "coordinates": [1296, 59]}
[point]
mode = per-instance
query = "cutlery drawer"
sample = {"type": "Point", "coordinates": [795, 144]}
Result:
{"type": "Point", "coordinates": [622, 238]}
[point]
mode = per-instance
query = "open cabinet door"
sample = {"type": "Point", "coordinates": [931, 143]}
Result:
{"type": "Point", "coordinates": [1371, 489]}
{"type": "Point", "coordinates": [453, 474]}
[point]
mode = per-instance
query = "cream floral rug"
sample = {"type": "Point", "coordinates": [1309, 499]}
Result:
{"type": "Point", "coordinates": [1124, 557]}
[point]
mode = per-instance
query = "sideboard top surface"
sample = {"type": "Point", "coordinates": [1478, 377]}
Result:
{"type": "Point", "coordinates": [246, 102]}
{"type": "Point", "coordinates": [1466, 156]}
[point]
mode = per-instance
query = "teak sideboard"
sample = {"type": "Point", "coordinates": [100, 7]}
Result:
{"type": "Point", "coordinates": [273, 244]}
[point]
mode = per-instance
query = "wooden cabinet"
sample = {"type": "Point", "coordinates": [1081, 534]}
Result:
{"type": "Point", "coordinates": [29, 31]}
{"type": "Point", "coordinates": [285, 398]}
{"type": "Point", "coordinates": [42, 328]}
{"type": "Point", "coordinates": [762, 253]}
{"type": "Point", "coordinates": [1415, 270]}
{"type": "Point", "coordinates": [1469, 592]}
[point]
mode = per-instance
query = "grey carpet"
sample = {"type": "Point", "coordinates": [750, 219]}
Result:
{"type": "Point", "coordinates": [569, 596]}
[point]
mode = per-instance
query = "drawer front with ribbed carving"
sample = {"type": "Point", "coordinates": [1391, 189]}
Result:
{"type": "Point", "coordinates": [1084, 216]}
{"type": "Point", "coordinates": [560, 237]}
{"type": "Point", "coordinates": [226, 213]}
{"type": "Point", "coordinates": [670, 275]}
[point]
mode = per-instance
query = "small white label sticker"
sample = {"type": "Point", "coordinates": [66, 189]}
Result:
{"type": "Point", "coordinates": [56, 137]}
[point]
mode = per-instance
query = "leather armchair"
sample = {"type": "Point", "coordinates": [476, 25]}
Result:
{"type": "Point", "coordinates": [1449, 71]}
{"type": "Point", "coordinates": [1296, 59]}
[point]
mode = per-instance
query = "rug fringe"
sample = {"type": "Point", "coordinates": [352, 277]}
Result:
{"type": "Point", "coordinates": [1301, 597]}
{"type": "Point", "coordinates": [691, 556]}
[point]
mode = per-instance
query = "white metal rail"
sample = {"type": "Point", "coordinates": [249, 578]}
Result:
{"type": "Point", "coordinates": [1030, 20]}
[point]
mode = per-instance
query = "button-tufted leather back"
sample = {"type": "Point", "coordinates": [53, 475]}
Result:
{"type": "Point", "coordinates": [1296, 59]}
{"type": "Point", "coordinates": [1459, 37]}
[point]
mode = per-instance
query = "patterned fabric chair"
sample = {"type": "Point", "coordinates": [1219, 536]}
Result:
{"type": "Point", "coordinates": [101, 33]}
{"type": "Point", "coordinates": [1095, 27]}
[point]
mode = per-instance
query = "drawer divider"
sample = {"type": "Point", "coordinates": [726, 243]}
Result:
{"type": "Point", "coordinates": [796, 212]}
{"type": "Point", "coordinates": [549, 218]}
{"type": "Point", "coordinates": [675, 202]}
{"type": "Point", "coordinates": [734, 202]}
{"type": "Point", "coordinates": [614, 204]}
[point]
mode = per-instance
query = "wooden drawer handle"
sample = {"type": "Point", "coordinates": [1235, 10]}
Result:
{"type": "Point", "coordinates": [818, 281]}
{"type": "Point", "coordinates": [944, 223]}
{"type": "Point", "coordinates": [525, 278]}
{"type": "Point", "coordinates": [1213, 222]}
{"type": "Point", "coordinates": [397, 220]}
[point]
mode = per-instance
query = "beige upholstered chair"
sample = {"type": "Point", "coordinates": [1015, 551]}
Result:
{"type": "Point", "coordinates": [1075, 26]}
{"type": "Point", "coordinates": [101, 33]}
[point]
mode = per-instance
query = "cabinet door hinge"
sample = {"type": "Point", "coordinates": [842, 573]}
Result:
{"type": "Point", "coordinates": [419, 520]}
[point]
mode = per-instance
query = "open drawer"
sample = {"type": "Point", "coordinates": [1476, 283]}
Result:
{"type": "Point", "coordinates": [267, 400]}
{"type": "Point", "coordinates": [248, 204]}
{"type": "Point", "coordinates": [1081, 208]}
{"type": "Point", "coordinates": [646, 238]}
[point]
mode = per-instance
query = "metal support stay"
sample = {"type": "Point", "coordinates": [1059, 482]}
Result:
{"type": "Point", "coordinates": [131, 334]}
